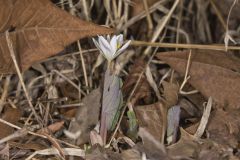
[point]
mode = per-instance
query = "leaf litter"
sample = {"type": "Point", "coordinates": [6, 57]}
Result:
{"type": "Point", "coordinates": [163, 118]}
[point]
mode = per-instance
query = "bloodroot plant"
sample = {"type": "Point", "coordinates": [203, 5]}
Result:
{"type": "Point", "coordinates": [110, 48]}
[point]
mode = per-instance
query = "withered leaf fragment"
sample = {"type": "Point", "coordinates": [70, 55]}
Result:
{"type": "Point", "coordinates": [213, 73]}
{"type": "Point", "coordinates": [151, 118]}
{"type": "Point", "coordinates": [38, 29]}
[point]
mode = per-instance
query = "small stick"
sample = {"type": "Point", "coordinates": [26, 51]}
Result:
{"type": "Point", "coordinates": [35, 134]}
{"type": "Point", "coordinates": [5, 92]}
{"type": "Point", "coordinates": [149, 19]}
{"type": "Point", "coordinates": [184, 46]}
{"type": "Point", "coordinates": [83, 65]}
{"type": "Point", "coordinates": [10, 47]}
{"type": "Point", "coordinates": [186, 77]}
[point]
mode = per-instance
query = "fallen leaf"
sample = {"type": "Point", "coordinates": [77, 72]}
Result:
{"type": "Point", "coordinates": [99, 153]}
{"type": "Point", "coordinates": [153, 149]}
{"type": "Point", "coordinates": [52, 128]}
{"type": "Point", "coordinates": [213, 73]}
{"type": "Point", "coordinates": [185, 147]}
{"type": "Point", "coordinates": [67, 90]}
{"type": "Point", "coordinates": [209, 155]}
{"type": "Point", "coordinates": [56, 126]}
{"type": "Point", "coordinates": [10, 115]}
{"type": "Point", "coordinates": [95, 138]}
{"type": "Point", "coordinates": [223, 127]}
{"type": "Point", "coordinates": [38, 29]}
{"type": "Point", "coordinates": [170, 93]}
{"type": "Point", "coordinates": [4, 152]}
{"type": "Point", "coordinates": [131, 154]}
{"type": "Point", "coordinates": [150, 117]}
{"type": "Point", "coordinates": [87, 116]}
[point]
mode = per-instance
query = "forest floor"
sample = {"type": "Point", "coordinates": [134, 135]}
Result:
{"type": "Point", "coordinates": [172, 93]}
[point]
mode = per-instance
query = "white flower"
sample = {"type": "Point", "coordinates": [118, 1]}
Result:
{"type": "Point", "coordinates": [111, 48]}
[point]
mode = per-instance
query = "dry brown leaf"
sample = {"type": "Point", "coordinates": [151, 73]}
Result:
{"type": "Point", "coordinates": [150, 117]}
{"type": "Point", "coordinates": [67, 90]}
{"type": "Point", "coordinates": [11, 115]}
{"type": "Point", "coordinates": [153, 149]}
{"type": "Point", "coordinates": [213, 73]}
{"type": "Point", "coordinates": [170, 93]}
{"type": "Point", "coordinates": [185, 147]}
{"type": "Point", "coordinates": [98, 153]}
{"type": "Point", "coordinates": [87, 116]}
{"type": "Point", "coordinates": [224, 127]}
{"type": "Point", "coordinates": [143, 90]}
{"type": "Point", "coordinates": [52, 128]}
{"type": "Point", "coordinates": [55, 126]}
{"type": "Point", "coordinates": [131, 154]}
{"type": "Point", "coordinates": [4, 152]}
{"type": "Point", "coordinates": [38, 29]}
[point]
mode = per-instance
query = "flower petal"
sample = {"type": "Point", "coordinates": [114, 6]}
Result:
{"type": "Point", "coordinates": [97, 44]}
{"type": "Point", "coordinates": [113, 44]}
{"type": "Point", "coordinates": [122, 48]}
{"type": "Point", "coordinates": [119, 40]}
{"type": "Point", "coordinates": [105, 46]}
{"type": "Point", "coordinates": [99, 48]}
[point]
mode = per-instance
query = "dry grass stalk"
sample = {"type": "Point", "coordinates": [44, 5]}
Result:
{"type": "Point", "coordinates": [5, 92]}
{"type": "Point", "coordinates": [10, 47]}
{"type": "Point", "coordinates": [83, 66]}
{"type": "Point", "coordinates": [35, 134]}
{"type": "Point", "coordinates": [183, 46]}
{"type": "Point", "coordinates": [54, 151]}
{"type": "Point", "coordinates": [149, 19]}
{"type": "Point", "coordinates": [186, 77]}
{"type": "Point", "coordinates": [160, 28]}
{"type": "Point", "coordinates": [204, 120]}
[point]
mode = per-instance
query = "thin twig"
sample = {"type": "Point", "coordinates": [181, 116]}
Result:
{"type": "Point", "coordinates": [54, 151]}
{"type": "Point", "coordinates": [11, 50]}
{"type": "Point", "coordinates": [186, 77]}
{"type": "Point", "coordinates": [83, 66]}
{"type": "Point", "coordinates": [5, 92]}
{"type": "Point", "coordinates": [149, 19]}
{"type": "Point", "coordinates": [186, 46]}
{"type": "Point", "coordinates": [35, 134]}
